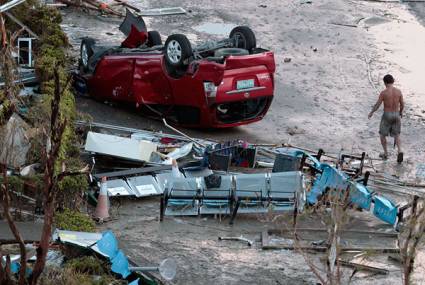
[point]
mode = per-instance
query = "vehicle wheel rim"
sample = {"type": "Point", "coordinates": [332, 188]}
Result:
{"type": "Point", "coordinates": [84, 55]}
{"type": "Point", "coordinates": [240, 41]}
{"type": "Point", "coordinates": [174, 51]}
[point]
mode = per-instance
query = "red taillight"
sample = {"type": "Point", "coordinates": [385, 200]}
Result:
{"type": "Point", "coordinates": [210, 92]}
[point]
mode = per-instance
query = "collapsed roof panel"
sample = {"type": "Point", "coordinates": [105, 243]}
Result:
{"type": "Point", "coordinates": [118, 187]}
{"type": "Point", "coordinates": [144, 186]}
{"type": "Point", "coordinates": [119, 146]}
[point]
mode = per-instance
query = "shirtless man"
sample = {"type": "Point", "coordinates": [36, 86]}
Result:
{"type": "Point", "coordinates": [391, 118]}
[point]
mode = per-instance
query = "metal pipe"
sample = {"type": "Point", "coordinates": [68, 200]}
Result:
{"type": "Point", "coordinates": [10, 5]}
{"type": "Point", "coordinates": [147, 268]}
{"type": "Point", "coordinates": [128, 130]}
{"type": "Point", "coordinates": [181, 133]}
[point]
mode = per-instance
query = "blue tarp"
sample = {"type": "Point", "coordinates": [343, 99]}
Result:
{"type": "Point", "coordinates": [135, 282]}
{"type": "Point", "coordinates": [385, 210]}
{"type": "Point", "coordinates": [360, 196]}
{"type": "Point", "coordinates": [108, 244]}
{"type": "Point", "coordinates": [331, 178]}
{"type": "Point", "coordinates": [299, 153]}
{"type": "Point", "coordinates": [120, 265]}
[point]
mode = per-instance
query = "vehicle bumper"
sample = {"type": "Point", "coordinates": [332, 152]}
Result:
{"type": "Point", "coordinates": [238, 113]}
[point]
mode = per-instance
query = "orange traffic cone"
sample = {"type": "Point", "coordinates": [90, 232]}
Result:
{"type": "Point", "coordinates": [102, 208]}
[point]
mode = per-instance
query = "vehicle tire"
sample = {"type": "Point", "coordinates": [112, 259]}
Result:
{"type": "Point", "coordinates": [86, 52]}
{"type": "Point", "coordinates": [154, 39]}
{"type": "Point", "coordinates": [177, 51]}
{"type": "Point", "coordinates": [223, 52]}
{"type": "Point", "coordinates": [243, 37]}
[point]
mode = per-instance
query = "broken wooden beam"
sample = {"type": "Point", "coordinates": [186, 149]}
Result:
{"type": "Point", "coordinates": [365, 232]}
{"type": "Point", "coordinates": [135, 171]}
{"type": "Point", "coordinates": [241, 238]}
{"type": "Point", "coordinates": [344, 25]}
{"type": "Point", "coordinates": [103, 7]}
{"type": "Point", "coordinates": [22, 25]}
{"type": "Point", "coordinates": [395, 258]}
{"type": "Point", "coordinates": [14, 241]}
{"type": "Point", "coordinates": [93, 5]}
{"type": "Point", "coordinates": [265, 238]}
{"type": "Point", "coordinates": [324, 248]}
{"type": "Point", "coordinates": [363, 267]}
{"type": "Point", "coordinates": [265, 245]}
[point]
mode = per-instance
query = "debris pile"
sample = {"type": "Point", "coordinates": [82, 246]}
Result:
{"type": "Point", "coordinates": [178, 175]}
{"type": "Point", "coordinates": [226, 177]}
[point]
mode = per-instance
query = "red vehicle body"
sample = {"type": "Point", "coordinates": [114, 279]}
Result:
{"type": "Point", "coordinates": [218, 84]}
{"type": "Point", "coordinates": [142, 79]}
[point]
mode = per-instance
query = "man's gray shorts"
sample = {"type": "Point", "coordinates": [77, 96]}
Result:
{"type": "Point", "coordinates": [390, 124]}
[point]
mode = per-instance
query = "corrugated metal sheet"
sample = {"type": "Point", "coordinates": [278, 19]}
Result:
{"type": "Point", "coordinates": [119, 146]}
{"type": "Point", "coordinates": [139, 186]}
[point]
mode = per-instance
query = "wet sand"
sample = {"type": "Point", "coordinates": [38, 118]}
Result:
{"type": "Point", "coordinates": [203, 259]}
{"type": "Point", "coordinates": [339, 52]}
{"type": "Point", "coordinates": [323, 96]}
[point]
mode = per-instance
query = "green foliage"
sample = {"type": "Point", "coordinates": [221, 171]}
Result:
{"type": "Point", "coordinates": [74, 184]}
{"type": "Point", "coordinates": [45, 22]}
{"type": "Point", "coordinates": [68, 276]}
{"type": "Point", "coordinates": [48, 59]}
{"type": "Point", "coordinates": [74, 221]}
{"type": "Point", "coordinates": [71, 187]}
{"type": "Point", "coordinates": [4, 111]}
{"type": "Point", "coordinates": [17, 183]}
{"type": "Point", "coordinates": [53, 40]}
{"type": "Point", "coordinates": [86, 265]}
{"type": "Point", "coordinates": [50, 55]}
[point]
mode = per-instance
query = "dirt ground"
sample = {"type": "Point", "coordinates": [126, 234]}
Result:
{"type": "Point", "coordinates": [339, 52]}
{"type": "Point", "coordinates": [325, 95]}
{"type": "Point", "coordinates": [203, 259]}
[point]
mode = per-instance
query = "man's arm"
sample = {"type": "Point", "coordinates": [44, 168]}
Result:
{"type": "Point", "coordinates": [401, 104]}
{"type": "Point", "coordinates": [377, 105]}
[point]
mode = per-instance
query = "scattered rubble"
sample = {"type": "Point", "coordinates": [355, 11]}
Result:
{"type": "Point", "coordinates": [180, 175]}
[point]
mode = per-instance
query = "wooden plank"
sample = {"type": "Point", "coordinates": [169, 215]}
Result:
{"type": "Point", "coordinates": [134, 171]}
{"type": "Point", "coordinates": [365, 232]}
{"type": "Point", "coordinates": [343, 24]}
{"type": "Point", "coordinates": [395, 258]}
{"type": "Point", "coordinates": [265, 239]}
{"type": "Point", "coordinates": [16, 20]}
{"type": "Point", "coordinates": [324, 249]}
{"type": "Point", "coordinates": [364, 267]}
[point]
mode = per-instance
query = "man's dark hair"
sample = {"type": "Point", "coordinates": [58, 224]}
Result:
{"type": "Point", "coordinates": [388, 79]}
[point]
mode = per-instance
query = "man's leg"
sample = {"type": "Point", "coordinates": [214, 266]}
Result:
{"type": "Point", "coordinates": [384, 145]}
{"type": "Point", "coordinates": [398, 143]}
{"type": "Point", "coordinates": [397, 129]}
{"type": "Point", "coordinates": [400, 152]}
{"type": "Point", "coordinates": [384, 131]}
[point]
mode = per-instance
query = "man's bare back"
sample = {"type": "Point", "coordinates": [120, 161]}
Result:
{"type": "Point", "coordinates": [392, 99]}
